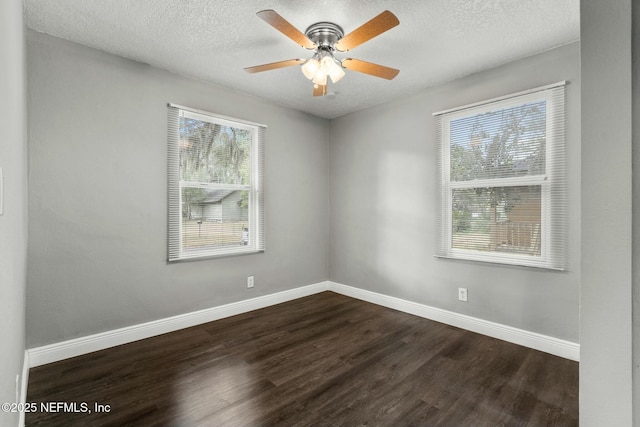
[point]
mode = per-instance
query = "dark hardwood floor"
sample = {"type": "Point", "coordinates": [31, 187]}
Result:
{"type": "Point", "coordinates": [321, 360]}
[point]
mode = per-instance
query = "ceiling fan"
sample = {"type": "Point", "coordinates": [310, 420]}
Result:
{"type": "Point", "coordinates": [325, 38]}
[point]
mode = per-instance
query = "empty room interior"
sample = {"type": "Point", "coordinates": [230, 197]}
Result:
{"type": "Point", "coordinates": [319, 213]}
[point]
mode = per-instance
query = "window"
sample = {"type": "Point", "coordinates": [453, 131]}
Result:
{"type": "Point", "coordinates": [502, 172]}
{"type": "Point", "coordinates": [216, 197]}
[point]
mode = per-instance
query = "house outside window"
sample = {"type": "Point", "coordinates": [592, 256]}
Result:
{"type": "Point", "coordinates": [216, 191]}
{"type": "Point", "coordinates": [503, 180]}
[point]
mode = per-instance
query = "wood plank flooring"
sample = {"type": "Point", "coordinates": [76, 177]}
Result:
{"type": "Point", "coordinates": [321, 360]}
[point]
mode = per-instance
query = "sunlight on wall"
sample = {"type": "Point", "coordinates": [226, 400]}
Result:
{"type": "Point", "coordinates": [403, 214]}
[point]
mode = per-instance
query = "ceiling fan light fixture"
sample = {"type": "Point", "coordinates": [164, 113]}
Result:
{"type": "Point", "coordinates": [318, 70]}
{"type": "Point", "coordinates": [321, 77]}
{"type": "Point", "coordinates": [332, 68]}
{"type": "Point", "coordinates": [310, 68]}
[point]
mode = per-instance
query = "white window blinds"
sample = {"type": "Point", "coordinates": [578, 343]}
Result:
{"type": "Point", "coordinates": [215, 185]}
{"type": "Point", "coordinates": [503, 180]}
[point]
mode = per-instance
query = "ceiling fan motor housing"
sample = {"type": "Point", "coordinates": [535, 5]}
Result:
{"type": "Point", "coordinates": [324, 34]}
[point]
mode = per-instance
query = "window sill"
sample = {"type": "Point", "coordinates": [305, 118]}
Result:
{"type": "Point", "coordinates": [215, 256]}
{"type": "Point", "coordinates": [501, 263]}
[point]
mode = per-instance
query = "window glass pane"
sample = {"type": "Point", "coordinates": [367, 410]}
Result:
{"type": "Point", "coordinates": [214, 153]}
{"type": "Point", "coordinates": [499, 144]}
{"type": "Point", "coordinates": [214, 218]}
{"type": "Point", "coordinates": [497, 219]}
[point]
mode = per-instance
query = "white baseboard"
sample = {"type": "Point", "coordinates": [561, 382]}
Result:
{"type": "Point", "coordinates": [555, 346]}
{"type": "Point", "coordinates": [83, 345]}
{"type": "Point", "coordinates": [23, 387]}
{"type": "Point", "coordinates": [63, 350]}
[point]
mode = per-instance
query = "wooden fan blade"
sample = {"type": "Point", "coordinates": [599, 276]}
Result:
{"type": "Point", "coordinates": [272, 18]}
{"type": "Point", "coordinates": [319, 90]}
{"type": "Point", "coordinates": [370, 68]}
{"type": "Point", "coordinates": [376, 26]}
{"type": "Point", "coordinates": [273, 65]}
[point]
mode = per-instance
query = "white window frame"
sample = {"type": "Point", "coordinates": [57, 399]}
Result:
{"type": "Point", "coordinates": [256, 238]}
{"type": "Point", "coordinates": [553, 210]}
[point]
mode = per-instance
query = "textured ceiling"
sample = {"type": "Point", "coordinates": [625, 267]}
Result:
{"type": "Point", "coordinates": [213, 40]}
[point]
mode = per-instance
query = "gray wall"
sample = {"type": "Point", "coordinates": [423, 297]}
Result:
{"type": "Point", "coordinates": [383, 189]}
{"type": "Point", "coordinates": [13, 225]}
{"type": "Point", "coordinates": [606, 366]}
{"type": "Point", "coordinates": [635, 64]}
{"type": "Point", "coordinates": [97, 194]}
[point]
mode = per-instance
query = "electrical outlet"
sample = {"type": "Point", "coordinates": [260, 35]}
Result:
{"type": "Point", "coordinates": [462, 294]}
{"type": "Point", "coordinates": [250, 282]}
